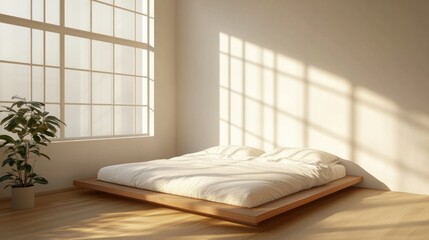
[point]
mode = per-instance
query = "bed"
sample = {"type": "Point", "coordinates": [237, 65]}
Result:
{"type": "Point", "coordinates": [235, 183]}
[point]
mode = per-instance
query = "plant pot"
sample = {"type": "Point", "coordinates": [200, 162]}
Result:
{"type": "Point", "coordinates": [22, 197]}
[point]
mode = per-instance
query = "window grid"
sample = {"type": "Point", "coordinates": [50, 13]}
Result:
{"type": "Point", "coordinates": [62, 31]}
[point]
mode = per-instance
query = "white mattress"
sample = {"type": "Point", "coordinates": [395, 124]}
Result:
{"type": "Point", "coordinates": [245, 182]}
{"type": "Point", "coordinates": [338, 171]}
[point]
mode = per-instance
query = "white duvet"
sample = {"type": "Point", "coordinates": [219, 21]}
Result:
{"type": "Point", "coordinates": [240, 180]}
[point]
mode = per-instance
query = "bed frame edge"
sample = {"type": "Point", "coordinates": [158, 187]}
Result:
{"type": "Point", "coordinates": [247, 216]}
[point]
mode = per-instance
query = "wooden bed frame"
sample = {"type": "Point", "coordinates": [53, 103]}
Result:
{"type": "Point", "coordinates": [242, 215]}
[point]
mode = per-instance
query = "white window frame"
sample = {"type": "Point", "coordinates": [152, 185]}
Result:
{"type": "Point", "coordinates": [62, 30]}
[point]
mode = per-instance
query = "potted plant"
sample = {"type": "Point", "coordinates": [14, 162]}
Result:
{"type": "Point", "coordinates": [29, 127]}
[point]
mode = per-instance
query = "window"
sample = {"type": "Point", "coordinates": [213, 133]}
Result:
{"type": "Point", "coordinates": [90, 61]}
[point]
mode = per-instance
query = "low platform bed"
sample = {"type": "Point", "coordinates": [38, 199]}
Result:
{"type": "Point", "coordinates": [236, 183]}
{"type": "Point", "coordinates": [242, 215]}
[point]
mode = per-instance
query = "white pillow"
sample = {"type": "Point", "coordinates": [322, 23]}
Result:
{"type": "Point", "coordinates": [307, 155]}
{"type": "Point", "coordinates": [232, 150]}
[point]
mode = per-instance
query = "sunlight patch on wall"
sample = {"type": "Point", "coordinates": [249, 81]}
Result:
{"type": "Point", "coordinates": [268, 100]}
{"type": "Point", "coordinates": [250, 114]}
{"type": "Point", "coordinates": [329, 111]}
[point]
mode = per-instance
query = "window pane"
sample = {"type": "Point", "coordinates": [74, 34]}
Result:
{"type": "Point", "coordinates": [124, 59]}
{"type": "Point", "coordinates": [15, 81]}
{"type": "Point", "coordinates": [151, 32]}
{"type": "Point", "coordinates": [124, 24]}
{"type": "Point", "coordinates": [141, 120]}
{"type": "Point", "coordinates": [77, 119]}
{"type": "Point", "coordinates": [102, 120]}
{"type": "Point", "coordinates": [37, 84]}
{"type": "Point", "coordinates": [151, 122]}
{"type": "Point", "coordinates": [124, 89]}
{"type": "Point", "coordinates": [141, 28]}
{"type": "Point", "coordinates": [77, 86]}
{"type": "Point", "coordinates": [77, 14]}
{"type": "Point", "coordinates": [52, 80]}
{"type": "Point", "coordinates": [128, 4]}
{"type": "Point", "coordinates": [77, 52]}
{"type": "Point", "coordinates": [141, 91]}
{"type": "Point", "coordinates": [152, 8]}
{"type": "Point", "coordinates": [37, 46]}
{"type": "Point", "coordinates": [124, 120]}
{"type": "Point", "coordinates": [53, 11]}
{"type": "Point", "coordinates": [52, 49]}
{"type": "Point", "coordinates": [54, 110]}
{"type": "Point", "coordinates": [141, 62]}
{"type": "Point", "coordinates": [102, 88]}
{"type": "Point", "coordinates": [141, 6]}
{"type": "Point", "coordinates": [151, 94]}
{"type": "Point", "coordinates": [14, 43]}
{"type": "Point", "coordinates": [102, 18]}
{"type": "Point", "coordinates": [151, 65]}
{"type": "Point", "coordinates": [37, 10]}
{"type": "Point", "coordinates": [102, 56]}
{"type": "Point", "coordinates": [16, 8]}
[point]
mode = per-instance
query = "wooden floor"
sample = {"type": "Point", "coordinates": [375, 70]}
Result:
{"type": "Point", "coordinates": [353, 213]}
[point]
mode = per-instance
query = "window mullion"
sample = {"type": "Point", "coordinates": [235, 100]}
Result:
{"type": "Point", "coordinates": [62, 68]}
{"type": "Point", "coordinates": [148, 71]}
{"type": "Point", "coordinates": [114, 79]}
{"type": "Point", "coordinates": [90, 74]}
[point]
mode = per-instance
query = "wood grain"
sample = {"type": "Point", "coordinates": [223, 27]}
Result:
{"type": "Point", "coordinates": [352, 214]}
{"type": "Point", "coordinates": [248, 216]}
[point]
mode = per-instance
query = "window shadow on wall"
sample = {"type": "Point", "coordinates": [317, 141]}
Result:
{"type": "Point", "coordinates": [269, 100]}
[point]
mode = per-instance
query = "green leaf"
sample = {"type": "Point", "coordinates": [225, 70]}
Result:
{"type": "Point", "coordinates": [46, 156]}
{"type": "Point", "coordinates": [5, 177]}
{"type": "Point", "coordinates": [28, 168]}
{"type": "Point", "coordinates": [54, 119]}
{"type": "Point", "coordinates": [40, 180]}
{"type": "Point", "coordinates": [6, 119]}
{"type": "Point", "coordinates": [8, 161]}
{"type": "Point", "coordinates": [22, 151]}
{"type": "Point", "coordinates": [36, 138]}
{"type": "Point", "coordinates": [36, 152]}
{"type": "Point", "coordinates": [20, 103]}
{"type": "Point", "coordinates": [18, 97]}
{"type": "Point", "coordinates": [52, 127]}
{"type": "Point", "coordinates": [50, 134]}
{"type": "Point", "coordinates": [11, 163]}
{"type": "Point", "coordinates": [38, 105]}
{"type": "Point", "coordinates": [7, 138]}
{"type": "Point", "coordinates": [9, 109]}
{"type": "Point", "coordinates": [34, 146]}
{"type": "Point", "coordinates": [32, 122]}
{"type": "Point", "coordinates": [12, 124]}
{"type": "Point", "coordinates": [43, 137]}
{"type": "Point", "coordinates": [19, 165]}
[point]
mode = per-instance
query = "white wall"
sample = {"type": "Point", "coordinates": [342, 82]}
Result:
{"type": "Point", "coordinates": [82, 159]}
{"type": "Point", "coordinates": [349, 77]}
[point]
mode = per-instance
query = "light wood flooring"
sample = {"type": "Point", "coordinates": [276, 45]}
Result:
{"type": "Point", "coordinates": [354, 213]}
